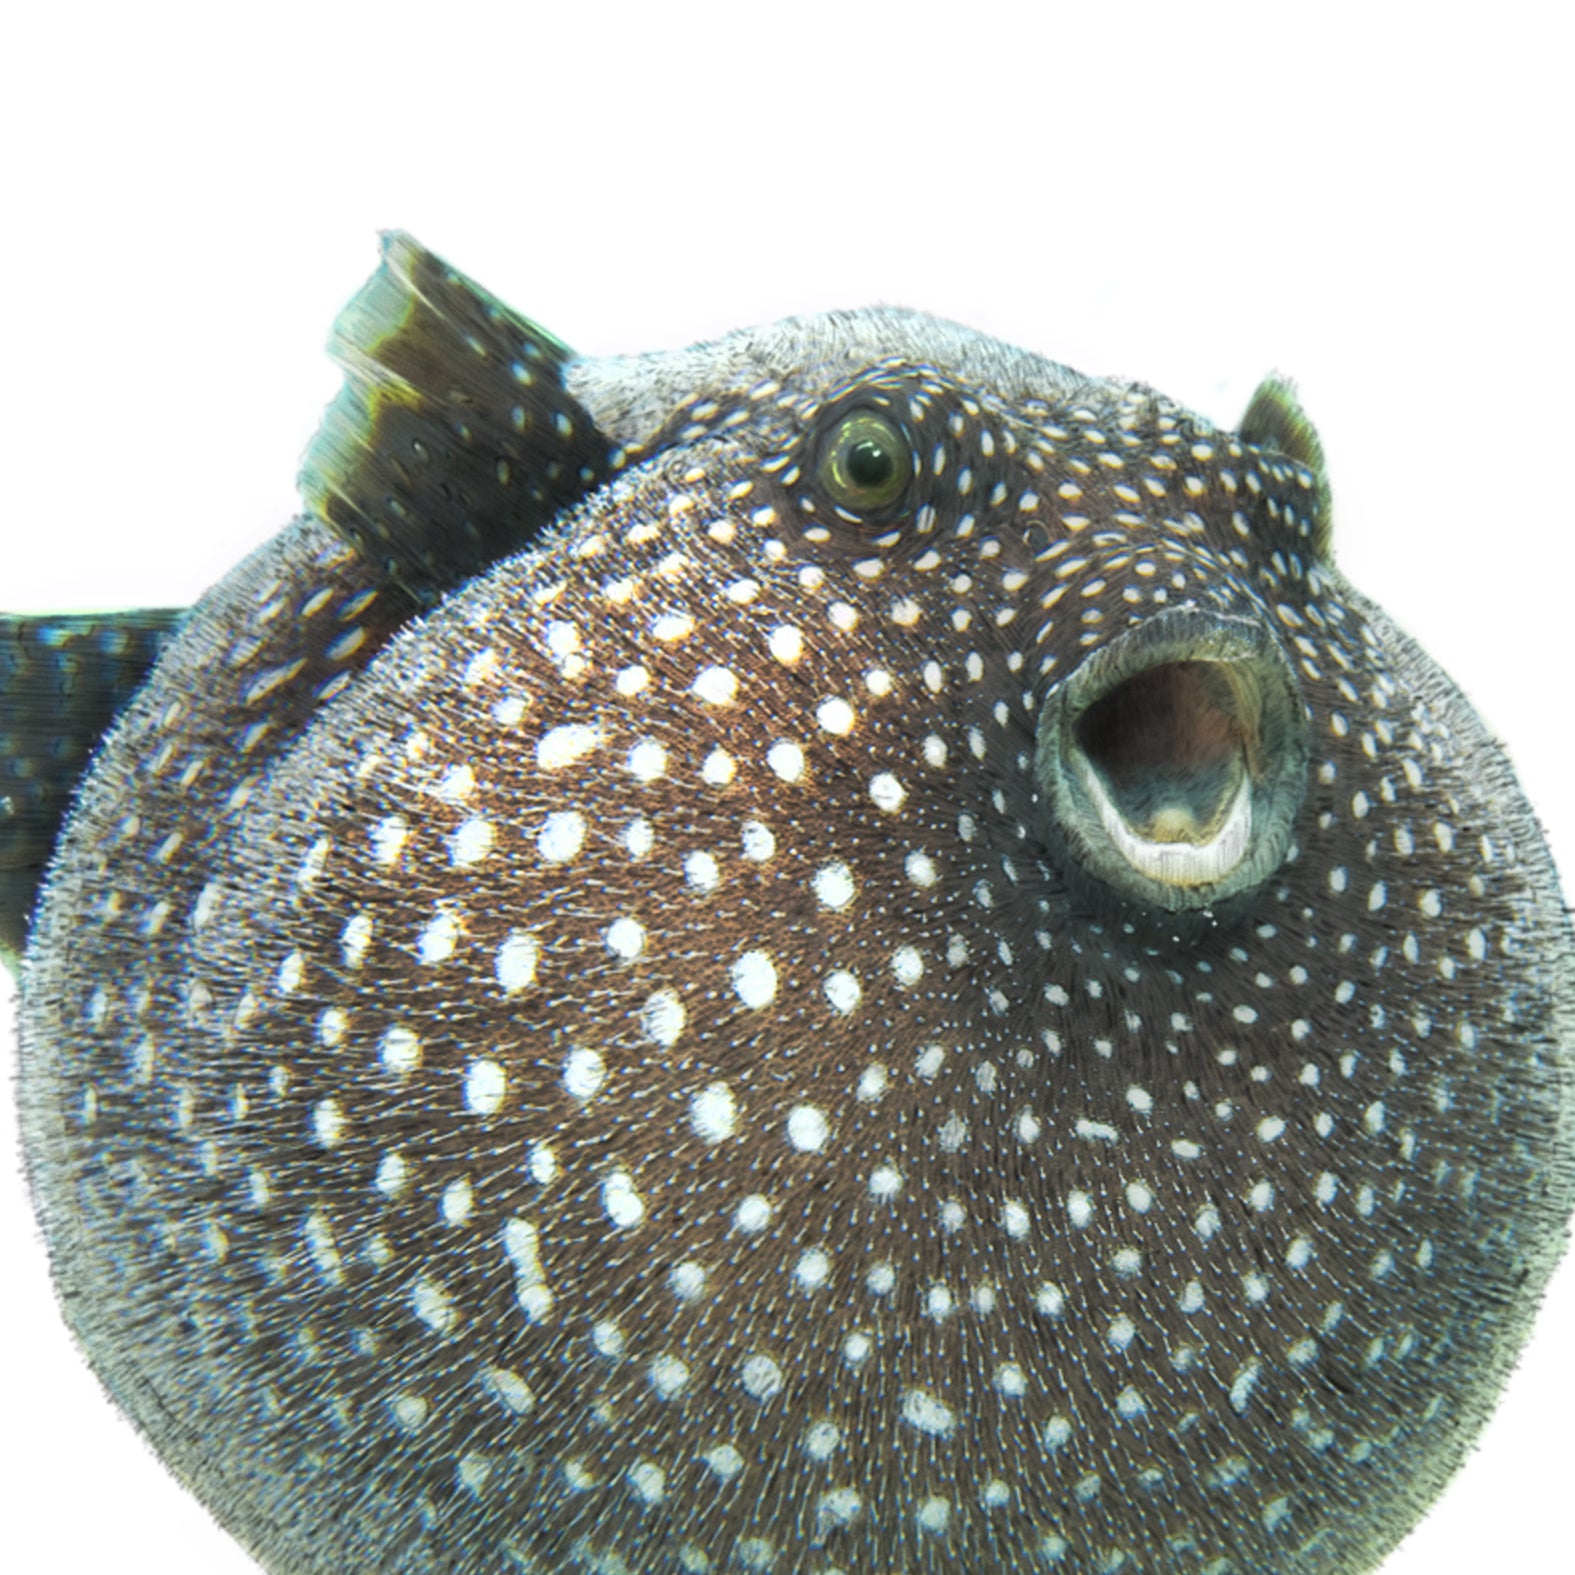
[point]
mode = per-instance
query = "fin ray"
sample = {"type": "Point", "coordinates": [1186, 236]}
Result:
{"type": "Point", "coordinates": [1275, 419]}
{"type": "Point", "coordinates": [63, 678]}
{"type": "Point", "coordinates": [453, 440]}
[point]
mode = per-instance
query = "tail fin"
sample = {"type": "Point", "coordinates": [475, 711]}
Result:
{"type": "Point", "coordinates": [454, 439]}
{"type": "Point", "coordinates": [62, 679]}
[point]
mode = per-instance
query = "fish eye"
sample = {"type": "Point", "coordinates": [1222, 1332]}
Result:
{"type": "Point", "coordinates": [866, 462]}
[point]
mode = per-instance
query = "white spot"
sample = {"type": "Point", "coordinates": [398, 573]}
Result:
{"type": "Point", "coordinates": [759, 843]}
{"type": "Point", "coordinates": [838, 1507]}
{"type": "Point", "coordinates": [324, 1250]}
{"type": "Point", "coordinates": [922, 1410]}
{"type": "Point", "coordinates": [755, 979]}
{"type": "Point", "coordinates": [291, 972]}
{"type": "Point", "coordinates": [836, 716]}
{"type": "Point", "coordinates": [843, 991]}
{"type": "Point", "coordinates": [885, 1182]}
{"type": "Point", "coordinates": [807, 1128]}
{"type": "Point", "coordinates": [562, 746]}
{"type": "Point", "coordinates": [687, 1281]}
{"type": "Point", "coordinates": [433, 1305]}
{"type": "Point", "coordinates": [620, 1202]}
{"type": "Point", "coordinates": [753, 1213]}
{"type": "Point", "coordinates": [584, 1072]}
{"type": "Point", "coordinates": [668, 1376]}
{"type": "Point", "coordinates": [438, 939]}
{"type": "Point", "coordinates": [887, 792]}
{"type": "Point", "coordinates": [510, 1388]}
{"type": "Point", "coordinates": [713, 1113]}
{"type": "Point", "coordinates": [392, 1174]}
{"type": "Point", "coordinates": [1049, 1300]}
{"type": "Point", "coordinates": [921, 869]}
{"type": "Point", "coordinates": [400, 1051]}
{"type": "Point", "coordinates": [1079, 1208]}
{"type": "Point", "coordinates": [786, 760]}
{"type": "Point", "coordinates": [872, 1083]}
{"type": "Point", "coordinates": [625, 938]}
{"type": "Point", "coordinates": [648, 1480]}
{"type": "Point", "coordinates": [647, 760]}
{"type": "Point", "coordinates": [786, 644]}
{"type": "Point", "coordinates": [833, 886]}
{"type": "Point", "coordinates": [484, 1085]}
{"type": "Point", "coordinates": [663, 1017]}
{"type": "Point", "coordinates": [457, 1201]}
{"type": "Point", "coordinates": [472, 842]}
{"type": "Point", "coordinates": [718, 768]}
{"type": "Point", "coordinates": [724, 1460]}
{"type": "Point", "coordinates": [328, 1123]}
{"type": "Point", "coordinates": [701, 871]}
{"type": "Point", "coordinates": [856, 1349]}
{"type": "Point", "coordinates": [515, 965]}
{"type": "Point", "coordinates": [562, 837]}
{"type": "Point", "coordinates": [717, 686]}
{"type": "Point", "coordinates": [456, 784]}
{"type": "Point", "coordinates": [761, 1378]}
{"type": "Point", "coordinates": [1242, 1384]}
{"type": "Point", "coordinates": [673, 626]}
{"type": "Point", "coordinates": [1014, 1220]}
{"type": "Point", "coordinates": [813, 1269]}
{"type": "Point", "coordinates": [388, 837]}
{"type": "Point", "coordinates": [907, 965]}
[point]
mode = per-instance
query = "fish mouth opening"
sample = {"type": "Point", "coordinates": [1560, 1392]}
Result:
{"type": "Point", "coordinates": [1174, 760]}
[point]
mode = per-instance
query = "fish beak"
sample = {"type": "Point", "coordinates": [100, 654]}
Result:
{"type": "Point", "coordinates": [1174, 759]}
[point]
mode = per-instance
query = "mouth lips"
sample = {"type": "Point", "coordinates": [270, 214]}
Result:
{"type": "Point", "coordinates": [1180, 863]}
{"type": "Point", "coordinates": [1174, 758]}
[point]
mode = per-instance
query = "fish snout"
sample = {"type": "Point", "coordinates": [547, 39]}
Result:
{"type": "Point", "coordinates": [1173, 761]}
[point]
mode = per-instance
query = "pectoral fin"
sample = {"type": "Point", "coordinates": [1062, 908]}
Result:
{"type": "Point", "coordinates": [63, 678]}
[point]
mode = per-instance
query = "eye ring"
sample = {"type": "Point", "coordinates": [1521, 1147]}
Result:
{"type": "Point", "coordinates": [866, 462]}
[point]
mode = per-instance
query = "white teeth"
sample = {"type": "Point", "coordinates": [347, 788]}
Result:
{"type": "Point", "coordinates": [1178, 863]}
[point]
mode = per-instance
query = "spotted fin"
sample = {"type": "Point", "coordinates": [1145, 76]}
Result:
{"type": "Point", "coordinates": [63, 677]}
{"type": "Point", "coordinates": [1275, 420]}
{"type": "Point", "coordinates": [454, 439]}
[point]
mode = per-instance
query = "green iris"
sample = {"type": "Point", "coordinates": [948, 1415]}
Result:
{"type": "Point", "coordinates": [866, 463]}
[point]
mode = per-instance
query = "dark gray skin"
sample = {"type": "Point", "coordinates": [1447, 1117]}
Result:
{"type": "Point", "coordinates": [589, 1017]}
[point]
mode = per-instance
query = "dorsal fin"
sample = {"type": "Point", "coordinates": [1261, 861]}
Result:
{"type": "Point", "coordinates": [62, 679]}
{"type": "Point", "coordinates": [1275, 420]}
{"type": "Point", "coordinates": [454, 439]}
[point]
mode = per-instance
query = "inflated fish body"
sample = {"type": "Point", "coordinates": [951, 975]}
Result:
{"type": "Point", "coordinates": [842, 951]}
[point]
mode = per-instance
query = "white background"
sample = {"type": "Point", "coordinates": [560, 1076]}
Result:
{"type": "Point", "coordinates": [1376, 202]}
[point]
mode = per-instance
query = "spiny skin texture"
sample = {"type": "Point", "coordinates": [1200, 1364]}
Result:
{"type": "Point", "coordinates": [624, 1073]}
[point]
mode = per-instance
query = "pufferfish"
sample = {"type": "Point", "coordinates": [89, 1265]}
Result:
{"type": "Point", "coordinates": [839, 953]}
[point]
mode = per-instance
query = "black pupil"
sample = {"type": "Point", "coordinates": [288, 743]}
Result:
{"type": "Point", "coordinates": [870, 464]}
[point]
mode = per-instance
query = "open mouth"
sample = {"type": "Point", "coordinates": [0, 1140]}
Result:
{"type": "Point", "coordinates": [1175, 758]}
{"type": "Point", "coordinates": [1165, 760]}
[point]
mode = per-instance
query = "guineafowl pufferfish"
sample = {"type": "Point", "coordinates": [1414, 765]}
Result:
{"type": "Point", "coordinates": [838, 953]}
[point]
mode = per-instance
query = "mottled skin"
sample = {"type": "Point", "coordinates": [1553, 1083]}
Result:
{"type": "Point", "coordinates": [495, 1108]}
